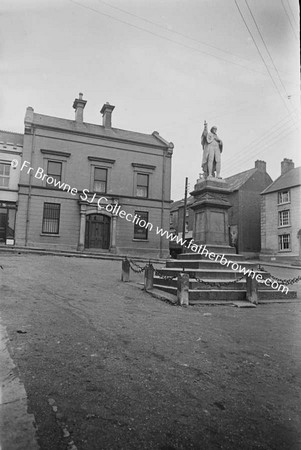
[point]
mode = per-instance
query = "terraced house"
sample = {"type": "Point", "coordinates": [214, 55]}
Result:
{"type": "Point", "coordinates": [76, 175]}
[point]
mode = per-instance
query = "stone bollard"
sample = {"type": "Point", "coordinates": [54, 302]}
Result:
{"type": "Point", "coordinates": [148, 277]}
{"type": "Point", "coordinates": [252, 290]}
{"type": "Point", "coordinates": [183, 289]}
{"type": "Point", "coordinates": [125, 274]}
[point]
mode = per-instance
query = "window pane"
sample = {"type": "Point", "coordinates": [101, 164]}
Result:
{"type": "Point", "coordinates": [100, 180]}
{"type": "Point", "coordinates": [140, 230]}
{"type": "Point", "coordinates": [51, 218]}
{"type": "Point", "coordinates": [54, 169]}
{"type": "Point", "coordinates": [142, 185]}
{"type": "Point", "coordinates": [4, 174]}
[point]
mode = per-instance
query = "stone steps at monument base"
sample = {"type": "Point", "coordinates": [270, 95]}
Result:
{"type": "Point", "coordinates": [188, 264]}
{"type": "Point", "coordinates": [192, 255]}
{"type": "Point", "coordinates": [196, 295]}
{"type": "Point", "coordinates": [208, 284]}
{"type": "Point", "coordinates": [218, 249]}
{"type": "Point", "coordinates": [206, 273]}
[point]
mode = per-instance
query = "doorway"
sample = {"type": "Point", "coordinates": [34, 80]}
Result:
{"type": "Point", "coordinates": [97, 231]}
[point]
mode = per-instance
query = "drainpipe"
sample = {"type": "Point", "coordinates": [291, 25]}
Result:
{"type": "Point", "coordinates": [29, 187]}
{"type": "Point", "coordinates": [162, 203]}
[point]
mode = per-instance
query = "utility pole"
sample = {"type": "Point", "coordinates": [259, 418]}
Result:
{"type": "Point", "coordinates": [184, 211]}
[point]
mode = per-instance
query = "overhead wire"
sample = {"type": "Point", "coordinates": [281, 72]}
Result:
{"type": "Point", "coordinates": [287, 15]}
{"type": "Point", "coordinates": [263, 139]}
{"type": "Point", "coordinates": [164, 37]}
{"type": "Point", "coordinates": [262, 57]}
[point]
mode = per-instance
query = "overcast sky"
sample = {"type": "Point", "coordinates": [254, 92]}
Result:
{"type": "Point", "coordinates": [166, 65]}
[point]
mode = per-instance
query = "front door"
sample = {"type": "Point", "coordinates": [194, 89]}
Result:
{"type": "Point", "coordinates": [97, 231]}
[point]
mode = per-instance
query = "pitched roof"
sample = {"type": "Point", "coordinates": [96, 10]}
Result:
{"type": "Point", "coordinates": [10, 137]}
{"type": "Point", "coordinates": [180, 203]}
{"type": "Point", "coordinates": [288, 180]}
{"type": "Point", "coordinates": [238, 180]}
{"type": "Point", "coordinates": [89, 128]}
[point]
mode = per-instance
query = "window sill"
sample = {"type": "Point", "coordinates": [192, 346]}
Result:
{"type": "Point", "coordinates": [284, 203]}
{"type": "Point", "coordinates": [284, 226]}
{"type": "Point", "coordinates": [286, 250]}
{"type": "Point", "coordinates": [50, 234]}
{"type": "Point", "coordinates": [140, 240]}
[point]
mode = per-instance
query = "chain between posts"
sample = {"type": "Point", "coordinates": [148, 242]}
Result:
{"type": "Point", "coordinates": [285, 281]}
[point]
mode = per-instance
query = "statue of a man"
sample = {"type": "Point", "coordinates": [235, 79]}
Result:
{"type": "Point", "coordinates": [212, 149]}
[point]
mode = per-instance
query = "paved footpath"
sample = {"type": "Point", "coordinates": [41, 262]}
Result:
{"type": "Point", "coordinates": [106, 366]}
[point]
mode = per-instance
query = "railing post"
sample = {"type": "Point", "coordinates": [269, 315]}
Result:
{"type": "Point", "coordinates": [125, 274]}
{"type": "Point", "coordinates": [252, 290]}
{"type": "Point", "coordinates": [148, 277]}
{"type": "Point", "coordinates": [183, 289]}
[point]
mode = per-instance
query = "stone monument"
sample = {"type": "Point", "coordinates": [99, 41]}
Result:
{"type": "Point", "coordinates": [211, 194]}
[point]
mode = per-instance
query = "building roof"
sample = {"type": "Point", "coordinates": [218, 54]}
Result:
{"type": "Point", "coordinates": [288, 180]}
{"type": "Point", "coordinates": [88, 128]}
{"type": "Point", "coordinates": [10, 137]}
{"type": "Point", "coordinates": [180, 203]}
{"type": "Point", "coordinates": [239, 179]}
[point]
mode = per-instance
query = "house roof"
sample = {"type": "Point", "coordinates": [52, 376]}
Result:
{"type": "Point", "coordinates": [10, 137]}
{"type": "Point", "coordinates": [288, 180]}
{"type": "Point", "coordinates": [239, 179]}
{"type": "Point", "coordinates": [180, 203]}
{"type": "Point", "coordinates": [88, 128]}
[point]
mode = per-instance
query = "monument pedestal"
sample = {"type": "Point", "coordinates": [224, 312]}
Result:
{"type": "Point", "coordinates": [210, 207]}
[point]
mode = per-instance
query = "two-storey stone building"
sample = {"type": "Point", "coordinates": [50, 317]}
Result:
{"type": "Point", "coordinates": [281, 215]}
{"type": "Point", "coordinates": [10, 157]}
{"type": "Point", "coordinates": [93, 187]}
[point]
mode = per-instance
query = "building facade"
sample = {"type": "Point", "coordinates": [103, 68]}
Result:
{"type": "Point", "coordinates": [93, 187]}
{"type": "Point", "coordinates": [11, 145]}
{"type": "Point", "coordinates": [281, 215]}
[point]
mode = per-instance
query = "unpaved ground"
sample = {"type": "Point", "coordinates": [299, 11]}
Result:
{"type": "Point", "coordinates": [106, 366]}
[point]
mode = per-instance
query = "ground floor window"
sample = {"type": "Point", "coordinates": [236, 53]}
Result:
{"type": "Point", "coordinates": [7, 221]}
{"type": "Point", "coordinates": [140, 225]}
{"type": "Point", "coordinates": [51, 218]}
{"type": "Point", "coordinates": [284, 242]}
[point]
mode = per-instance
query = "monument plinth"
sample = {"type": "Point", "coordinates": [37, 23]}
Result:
{"type": "Point", "coordinates": [211, 204]}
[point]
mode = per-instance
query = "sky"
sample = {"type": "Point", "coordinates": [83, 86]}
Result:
{"type": "Point", "coordinates": [166, 65]}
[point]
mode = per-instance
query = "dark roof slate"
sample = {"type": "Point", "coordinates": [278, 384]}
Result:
{"type": "Point", "coordinates": [238, 180]}
{"type": "Point", "coordinates": [10, 137]}
{"type": "Point", "coordinates": [89, 128]}
{"type": "Point", "coordinates": [288, 180]}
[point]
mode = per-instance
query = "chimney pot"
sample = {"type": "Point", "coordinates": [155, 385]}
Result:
{"type": "Point", "coordinates": [79, 105]}
{"type": "Point", "coordinates": [106, 112]}
{"type": "Point", "coordinates": [287, 165]}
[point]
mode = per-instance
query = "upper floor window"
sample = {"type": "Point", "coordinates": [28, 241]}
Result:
{"type": "Point", "coordinates": [142, 185]}
{"type": "Point", "coordinates": [283, 197]}
{"type": "Point", "coordinates": [100, 180]}
{"type": "Point", "coordinates": [284, 242]}
{"type": "Point", "coordinates": [54, 170]}
{"type": "Point", "coordinates": [51, 218]}
{"type": "Point", "coordinates": [284, 218]}
{"type": "Point", "coordinates": [4, 174]}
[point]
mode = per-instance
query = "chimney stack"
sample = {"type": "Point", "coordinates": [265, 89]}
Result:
{"type": "Point", "coordinates": [79, 105]}
{"type": "Point", "coordinates": [106, 112]}
{"type": "Point", "coordinates": [261, 165]}
{"type": "Point", "coordinates": [286, 165]}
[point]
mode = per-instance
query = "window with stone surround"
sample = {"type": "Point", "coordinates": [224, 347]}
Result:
{"type": "Point", "coordinates": [51, 218]}
{"type": "Point", "coordinates": [4, 174]}
{"type": "Point", "coordinates": [284, 242]}
{"type": "Point", "coordinates": [141, 232]}
{"type": "Point", "coordinates": [100, 180]}
{"type": "Point", "coordinates": [54, 170]}
{"type": "Point", "coordinates": [142, 185]}
{"type": "Point", "coordinates": [284, 218]}
{"type": "Point", "coordinates": [283, 197]}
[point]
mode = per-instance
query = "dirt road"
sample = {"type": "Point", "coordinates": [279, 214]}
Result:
{"type": "Point", "coordinates": [106, 366]}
